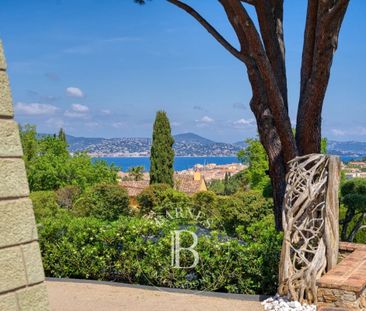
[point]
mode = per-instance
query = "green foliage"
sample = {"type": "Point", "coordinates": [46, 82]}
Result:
{"type": "Point", "coordinates": [173, 202]}
{"type": "Point", "coordinates": [151, 197]}
{"type": "Point", "coordinates": [161, 199]}
{"type": "Point", "coordinates": [205, 202]}
{"type": "Point", "coordinates": [67, 196]}
{"type": "Point", "coordinates": [257, 172]}
{"type": "Point", "coordinates": [50, 166]}
{"type": "Point", "coordinates": [137, 250]}
{"type": "Point", "coordinates": [28, 136]}
{"type": "Point", "coordinates": [239, 211]}
{"type": "Point", "coordinates": [162, 153]}
{"type": "Point", "coordinates": [44, 204]}
{"type": "Point", "coordinates": [324, 145]}
{"type": "Point", "coordinates": [136, 172]}
{"type": "Point", "coordinates": [230, 185]}
{"type": "Point", "coordinates": [62, 135]}
{"type": "Point", "coordinates": [104, 201]}
{"type": "Point", "coordinates": [84, 172]}
{"type": "Point", "coordinates": [354, 200]}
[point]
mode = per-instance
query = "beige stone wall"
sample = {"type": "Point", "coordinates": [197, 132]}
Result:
{"type": "Point", "coordinates": [21, 273]}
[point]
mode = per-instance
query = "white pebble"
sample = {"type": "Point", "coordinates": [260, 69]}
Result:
{"type": "Point", "coordinates": [278, 303]}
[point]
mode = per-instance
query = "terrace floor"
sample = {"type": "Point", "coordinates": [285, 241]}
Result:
{"type": "Point", "coordinates": [86, 296]}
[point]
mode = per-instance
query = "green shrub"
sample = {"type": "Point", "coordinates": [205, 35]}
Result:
{"type": "Point", "coordinates": [243, 209]}
{"type": "Point", "coordinates": [66, 196]}
{"type": "Point", "coordinates": [137, 250]}
{"type": "Point", "coordinates": [151, 197]}
{"type": "Point", "coordinates": [161, 199]}
{"type": "Point", "coordinates": [205, 202]}
{"type": "Point", "coordinates": [174, 201]}
{"type": "Point", "coordinates": [44, 204]}
{"type": "Point", "coordinates": [103, 201]}
{"type": "Point", "coordinates": [354, 200]}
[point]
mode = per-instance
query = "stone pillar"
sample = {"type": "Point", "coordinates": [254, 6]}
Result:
{"type": "Point", "coordinates": [22, 284]}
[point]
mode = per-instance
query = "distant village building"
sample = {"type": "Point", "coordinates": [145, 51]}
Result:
{"type": "Point", "coordinates": [355, 169]}
{"type": "Point", "coordinates": [134, 188]}
{"type": "Point", "coordinates": [360, 164]}
{"type": "Point", "coordinates": [213, 171]}
{"type": "Point", "coordinates": [188, 181]}
{"type": "Point", "coordinates": [190, 184]}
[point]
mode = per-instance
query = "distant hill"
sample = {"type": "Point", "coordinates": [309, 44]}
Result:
{"type": "Point", "coordinates": [188, 144]}
{"type": "Point", "coordinates": [191, 138]}
{"type": "Point", "coordinates": [347, 148]}
{"type": "Point", "coordinates": [240, 144]}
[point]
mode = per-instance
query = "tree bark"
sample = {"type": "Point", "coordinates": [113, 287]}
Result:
{"type": "Point", "coordinates": [323, 23]}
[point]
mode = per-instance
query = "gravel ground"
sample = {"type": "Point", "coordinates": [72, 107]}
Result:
{"type": "Point", "coordinates": [73, 296]}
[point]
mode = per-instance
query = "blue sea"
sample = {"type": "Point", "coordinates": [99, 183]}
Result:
{"type": "Point", "coordinates": [180, 163]}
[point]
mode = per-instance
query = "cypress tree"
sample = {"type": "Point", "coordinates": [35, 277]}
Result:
{"type": "Point", "coordinates": [62, 135]}
{"type": "Point", "coordinates": [162, 153]}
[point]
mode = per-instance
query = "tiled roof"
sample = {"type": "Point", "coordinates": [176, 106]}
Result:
{"type": "Point", "coordinates": [134, 188]}
{"type": "Point", "coordinates": [187, 184]}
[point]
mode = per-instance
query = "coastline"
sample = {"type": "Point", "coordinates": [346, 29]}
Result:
{"type": "Point", "coordinates": [181, 163]}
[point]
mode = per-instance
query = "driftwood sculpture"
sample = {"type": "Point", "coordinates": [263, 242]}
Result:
{"type": "Point", "coordinates": [310, 222]}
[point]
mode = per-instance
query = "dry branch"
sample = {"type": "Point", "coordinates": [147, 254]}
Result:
{"type": "Point", "coordinates": [310, 221]}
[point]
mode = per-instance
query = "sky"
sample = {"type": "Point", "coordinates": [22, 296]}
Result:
{"type": "Point", "coordinates": [103, 69]}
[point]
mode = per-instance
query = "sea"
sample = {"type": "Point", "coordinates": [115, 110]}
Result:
{"type": "Point", "coordinates": [180, 163]}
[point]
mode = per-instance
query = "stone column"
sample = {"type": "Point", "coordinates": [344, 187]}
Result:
{"type": "Point", "coordinates": [22, 284]}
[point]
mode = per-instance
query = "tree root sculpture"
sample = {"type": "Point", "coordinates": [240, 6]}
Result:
{"type": "Point", "coordinates": [310, 222]}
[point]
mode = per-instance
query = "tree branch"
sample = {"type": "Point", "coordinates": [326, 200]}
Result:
{"type": "Point", "coordinates": [247, 33]}
{"type": "Point", "coordinates": [209, 28]}
{"type": "Point", "coordinates": [270, 18]}
{"type": "Point", "coordinates": [321, 38]}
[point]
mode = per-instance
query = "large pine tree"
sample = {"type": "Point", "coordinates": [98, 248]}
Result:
{"type": "Point", "coordinates": [162, 153]}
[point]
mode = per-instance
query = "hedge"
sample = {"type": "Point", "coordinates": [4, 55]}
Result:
{"type": "Point", "coordinates": [137, 250]}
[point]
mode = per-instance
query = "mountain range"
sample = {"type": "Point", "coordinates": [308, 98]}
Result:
{"type": "Point", "coordinates": [188, 144]}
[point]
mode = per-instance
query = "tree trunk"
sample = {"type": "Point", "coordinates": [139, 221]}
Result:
{"type": "Point", "coordinates": [277, 171]}
{"type": "Point", "coordinates": [272, 144]}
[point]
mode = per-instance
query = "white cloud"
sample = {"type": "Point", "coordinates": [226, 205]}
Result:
{"type": "Point", "coordinates": [207, 119]}
{"type": "Point", "coordinates": [80, 108]}
{"type": "Point", "coordinates": [92, 124]}
{"type": "Point", "coordinates": [55, 123]}
{"type": "Point", "coordinates": [338, 132]}
{"type": "Point", "coordinates": [77, 111]}
{"type": "Point", "coordinates": [243, 122]}
{"type": "Point", "coordinates": [175, 124]}
{"type": "Point", "coordinates": [119, 125]}
{"type": "Point", "coordinates": [35, 109]}
{"type": "Point", "coordinates": [361, 131]}
{"type": "Point", "coordinates": [74, 92]}
{"type": "Point", "coordinates": [106, 111]}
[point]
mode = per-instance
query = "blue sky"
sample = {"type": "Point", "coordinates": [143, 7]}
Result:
{"type": "Point", "coordinates": [103, 68]}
